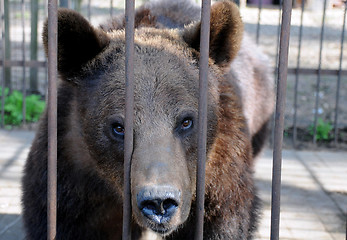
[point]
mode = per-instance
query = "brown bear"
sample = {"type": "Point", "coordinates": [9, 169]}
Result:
{"type": "Point", "coordinates": [91, 99]}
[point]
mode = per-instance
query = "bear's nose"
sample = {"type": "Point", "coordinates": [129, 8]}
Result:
{"type": "Point", "coordinates": [158, 203]}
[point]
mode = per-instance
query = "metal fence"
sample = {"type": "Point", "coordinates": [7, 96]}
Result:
{"type": "Point", "coordinates": [316, 57]}
{"type": "Point", "coordinates": [281, 60]}
{"type": "Point", "coordinates": [318, 72]}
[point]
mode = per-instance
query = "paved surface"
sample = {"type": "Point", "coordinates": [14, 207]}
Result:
{"type": "Point", "coordinates": [14, 147]}
{"type": "Point", "coordinates": [313, 200]}
{"type": "Point", "coordinates": [313, 195]}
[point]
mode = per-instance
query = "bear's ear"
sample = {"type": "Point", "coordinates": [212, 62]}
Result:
{"type": "Point", "coordinates": [78, 42]}
{"type": "Point", "coordinates": [226, 32]}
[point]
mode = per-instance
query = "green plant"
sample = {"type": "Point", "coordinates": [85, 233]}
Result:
{"type": "Point", "coordinates": [14, 104]}
{"type": "Point", "coordinates": [323, 129]}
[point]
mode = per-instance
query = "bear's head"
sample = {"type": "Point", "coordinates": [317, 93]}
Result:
{"type": "Point", "coordinates": [91, 64]}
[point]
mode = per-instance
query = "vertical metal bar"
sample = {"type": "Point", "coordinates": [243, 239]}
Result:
{"type": "Point", "coordinates": [111, 8]}
{"type": "Point", "coordinates": [129, 112]}
{"type": "Point", "coordinates": [52, 120]}
{"type": "Point", "coordinates": [319, 75]}
{"type": "Point", "coordinates": [7, 45]}
{"type": "Point", "coordinates": [279, 119]}
{"type": "Point", "coordinates": [46, 7]}
{"type": "Point", "coordinates": [4, 62]}
{"type": "Point", "coordinates": [259, 18]}
{"type": "Point", "coordinates": [276, 68]}
{"type": "Point", "coordinates": [203, 85]}
{"type": "Point", "coordinates": [23, 56]}
{"type": "Point", "coordinates": [46, 61]}
{"type": "Point", "coordinates": [89, 9]}
{"type": "Point", "coordinates": [278, 35]}
{"type": "Point", "coordinates": [297, 75]}
{"type": "Point", "coordinates": [339, 80]}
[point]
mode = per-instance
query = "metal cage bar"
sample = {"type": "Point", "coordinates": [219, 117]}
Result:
{"type": "Point", "coordinates": [339, 81]}
{"type": "Point", "coordinates": [276, 68]}
{"type": "Point", "coordinates": [278, 35]}
{"type": "Point", "coordinates": [111, 8]}
{"type": "Point", "coordinates": [279, 119]}
{"type": "Point", "coordinates": [19, 63]}
{"type": "Point", "coordinates": [23, 57]}
{"type": "Point", "coordinates": [129, 113]}
{"type": "Point", "coordinates": [52, 119]}
{"type": "Point", "coordinates": [319, 76]}
{"type": "Point", "coordinates": [297, 75]}
{"type": "Point", "coordinates": [89, 10]}
{"type": "Point", "coordinates": [260, 6]}
{"type": "Point", "coordinates": [203, 85]}
{"type": "Point", "coordinates": [2, 24]}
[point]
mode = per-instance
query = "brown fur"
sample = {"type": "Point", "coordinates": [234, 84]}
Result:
{"type": "Point", "coordinates": [249, 72]}
{"type": "Point", "coordinates": [91, 100]}
{"type": "Point", "coordinates": [226, 32]}
{"type": "Point", "coordinates": [75, 36]}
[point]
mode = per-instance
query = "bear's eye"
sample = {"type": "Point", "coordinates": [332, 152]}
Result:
{"type": "Point", "coordinates": [186, 124]}
{"type": "Point", "coordinates": [118, 129]}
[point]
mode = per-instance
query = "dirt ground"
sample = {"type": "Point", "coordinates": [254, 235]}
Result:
{"type": "Point", "coordinates": [309, 58]}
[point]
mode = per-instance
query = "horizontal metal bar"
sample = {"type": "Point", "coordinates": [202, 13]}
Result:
{"type": "Point", "coordinates": [19, 63]}
{"type": "Point", "coordinates": [303, 71]}
{"type": "Point", "coordinates": [311, 71]}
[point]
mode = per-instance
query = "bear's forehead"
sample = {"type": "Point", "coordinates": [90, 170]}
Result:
{"type": "Point", "coordinates": [160, 64]}
{"type": "Point", "coordinates": [151, 42]}
{"type": "Point", "coordinates": [165, 73]}
{"type": "Point", "coordinates": [163, 80]}
{"type": "Point", "coordinates": [153, 87]}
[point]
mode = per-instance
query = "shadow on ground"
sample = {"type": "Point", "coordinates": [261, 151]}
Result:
{"type": "Point", "coordinates": [13, 227]}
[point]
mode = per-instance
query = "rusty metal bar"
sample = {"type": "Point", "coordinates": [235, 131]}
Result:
{"type": "Point", "coordinates": [52, 120]}
{"type": "Point", "coordinates": [279, 119]}
{"type": "Point", "coordinates": [319, 75]}
{"type": "Point", "coordinates": [339, 81]}
{"type": "Point", "coordinates": [23, 57]}
{"type": "Point", "coordinates": [129, 113]}
{"type": "Point", "coordinates": [297, 75]}
{"type": "Point", "coordinates": [260, 4]}
{"type": "Point", "coordinates": [202, 124]}
{"type": "Point", "coordinates": [2, 24]}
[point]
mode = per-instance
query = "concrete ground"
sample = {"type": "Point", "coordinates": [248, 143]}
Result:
{"type": "Point", "coordinates": [313, 200]}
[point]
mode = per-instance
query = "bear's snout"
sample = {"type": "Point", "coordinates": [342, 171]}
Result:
{"type": "Point", "coordinates": [158, 203]}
